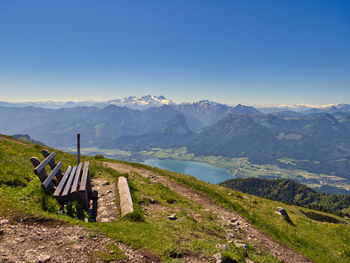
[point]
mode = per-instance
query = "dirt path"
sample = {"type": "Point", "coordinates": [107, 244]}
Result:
{"type": "Point", "coordinates": [46, 240]}
{"type": "Point", "coordinates": [12, 140]}
{"type": "Point", "coordinates": [106, 207]}
{"type": "Point", "coordinates": [235, 222]}
{"type": "Point", "coordinates": [34, 240]}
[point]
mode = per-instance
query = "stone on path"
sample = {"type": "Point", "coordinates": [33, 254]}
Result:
{"type": "Point", "coordinates": [172, 217]}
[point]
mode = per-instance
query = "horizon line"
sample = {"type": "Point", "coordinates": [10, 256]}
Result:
{"type": "Point", "coordinates": [263, 105]}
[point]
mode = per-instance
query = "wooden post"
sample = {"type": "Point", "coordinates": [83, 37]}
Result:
{"type": "Point", "coordinates": [78, 147]}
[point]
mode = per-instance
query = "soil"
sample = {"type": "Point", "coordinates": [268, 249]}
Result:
{"type": "Point", "coordinates": [12, 140]}
{"type": "Point", "coordinates": [107, 209]}
{"type": "Point", "coordinates": [238, 229]}
{"type": "Point", "coordinates": [42, 240]}
{"type": "Point", "coordinates": [36, 240]}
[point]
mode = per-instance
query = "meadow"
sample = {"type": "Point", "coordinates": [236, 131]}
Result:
{"type": "Point", "coordinates": [197, 231]}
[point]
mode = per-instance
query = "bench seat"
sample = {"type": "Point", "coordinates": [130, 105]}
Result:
{"type": "Point", "coordinates": [73, 184]}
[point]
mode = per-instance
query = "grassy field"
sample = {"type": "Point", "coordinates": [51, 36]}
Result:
{"type": "Point", "coordinates": [195, 234]}
{"type": "Point", "coordinates": [322, 241]}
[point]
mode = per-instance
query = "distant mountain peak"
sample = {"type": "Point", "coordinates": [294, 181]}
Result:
{"type": "Point", "coordinates": [205, 103]}
{"type": "Point", "coordinates": [243, 110]}
{"type": "Point", "coordinates": [142, 102]}
{"type": "Point", "coordinates": [343, 107]}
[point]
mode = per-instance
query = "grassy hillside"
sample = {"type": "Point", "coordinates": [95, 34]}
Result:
{"type": "Point", "coordinates": [195, 234]}
{"type": "Point", "coordinates": [321, 241]}
{"type": "Point", "coordinates": [171, 241]}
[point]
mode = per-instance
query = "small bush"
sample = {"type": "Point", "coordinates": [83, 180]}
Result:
{"type": "Point", "coordinates": [229, 257]}
{"type": "Point", "coordinates": [136, 216]}
{"type": "Point", "coordinates": [75, 209]}
{"type": "Point", "coordinates": [99, 157]}
{"type": "Point", "coordinates": [321, 217]}
{"type": "Point", "coordinates": [49, 204]}
{"type": "Point", "coordinates": [176, 253]}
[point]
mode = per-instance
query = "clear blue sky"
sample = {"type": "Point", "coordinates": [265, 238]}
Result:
{"type": "Point", "coordinates": [229, 51]}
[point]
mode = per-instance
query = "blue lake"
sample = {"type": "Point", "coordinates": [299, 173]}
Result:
{"type": "Point", "coordinates": [202, 171]}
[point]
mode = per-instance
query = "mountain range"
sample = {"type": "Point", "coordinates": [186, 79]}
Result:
{"type": "Point", "coordinates": [132, 102]}
{"type": "Point", "coordinates": [149, 101]}
{"type": "Point", "coordinates": [57, 127]}
{"type": "Point", "coordinates": [318, 141]}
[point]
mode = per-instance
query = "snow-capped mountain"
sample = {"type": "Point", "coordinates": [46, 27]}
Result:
{"type": "Point", "coordinates": [149, 101]}
{"type": "Point", "coordinates": [340, 107]}
{"type": "Point", "coordinates": [141, 102]}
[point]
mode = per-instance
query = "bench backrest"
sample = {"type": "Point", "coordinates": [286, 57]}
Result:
{"type": "Point", "coordinates": [52, 164]}
{"type": "Point", "coordinates": [39, 169]}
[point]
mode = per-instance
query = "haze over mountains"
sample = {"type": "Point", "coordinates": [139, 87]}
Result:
{"type": "Point", "coordinates": [101, 125]}
{"type": "Point", "coordinates": [131, 102]}
{"type": "Point", "coordinates": [316, 140]}
{"type": "Point", "coordinates": [149, 101]}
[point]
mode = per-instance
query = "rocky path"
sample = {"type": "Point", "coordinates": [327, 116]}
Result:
{"type": "Point", "coordinates": [234, 223]}
{"type": "Point", "coordinates": [46, 240]}
{"type": "Point", "coordinates": [34, 240]}
{"type": "Point", "coordinates": [106, 207]}
{"type": "Point", "coordinates": [13, 140]}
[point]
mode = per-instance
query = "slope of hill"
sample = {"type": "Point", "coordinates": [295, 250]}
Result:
{"type": "Point", "coordinates": [26, 138]}
{"type": "Point", "coordinates": [318, 144]}
{"type": "Point", "coordinates": [172, 133]}
{"type": "Point", "coordinates": [289, 192]}
{"type": "Point", "coordinates": [206, 223]}
{"type": "Point", "coordinates": [205, 113]}
{"type": "Point", "coordinates": [235, 135]}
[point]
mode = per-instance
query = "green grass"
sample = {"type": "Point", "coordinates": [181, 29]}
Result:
{"type": "Point", "coordinates": [113, 253]}
{"type": "Point", "coordinates": [324, 242]}
{"type": "Point", "coordinates": [195, 233]}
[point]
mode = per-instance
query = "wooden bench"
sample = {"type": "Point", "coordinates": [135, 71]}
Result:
{"type": "Point", "coordinates": [73, 184]}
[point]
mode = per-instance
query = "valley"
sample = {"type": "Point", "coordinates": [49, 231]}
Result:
{"type": "Point", "coordinates": [311, 147]}
{"type": "Point", "coordinates": [211, 220]}
{"type": "Point", "coordinates": [238, 167]}
{"type": "Point", "coordinates": [175, 131]}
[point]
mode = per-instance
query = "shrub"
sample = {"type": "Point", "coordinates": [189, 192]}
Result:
{"type": "Point", "coordinates": [49, 204]}
{"type": "Point", "coordinates": [99, 157]}
{"type": "Point", "coordinates": [75, 209]}
{"type": "Point", "coordinates": [136, 216]}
